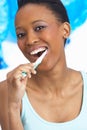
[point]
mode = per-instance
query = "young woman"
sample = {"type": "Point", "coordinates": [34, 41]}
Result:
{"type": "Point", "coordinates": [51, 96]}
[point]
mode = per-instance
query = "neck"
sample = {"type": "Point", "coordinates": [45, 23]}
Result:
{"type": "Point", "coordinates": [55, 79]}
{"type": "Point", "coordinates": [52, 80]}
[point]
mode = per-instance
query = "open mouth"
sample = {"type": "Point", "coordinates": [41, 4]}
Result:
{"type": "Point", "coordinates": [38, 52]}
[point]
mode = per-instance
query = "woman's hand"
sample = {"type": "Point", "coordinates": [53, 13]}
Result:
{"type": "Point", "coordinates": [17, 82]}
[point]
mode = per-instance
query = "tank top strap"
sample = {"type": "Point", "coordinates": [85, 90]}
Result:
{"type": "Point", "coordinates": [24, 108]}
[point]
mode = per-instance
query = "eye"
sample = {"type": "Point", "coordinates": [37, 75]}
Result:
{"type": "Point", "coordinates": [39, 28]}
{"type": "Point", "coordinates": [20, 35]}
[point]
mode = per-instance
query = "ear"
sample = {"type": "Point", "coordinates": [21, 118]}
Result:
{"type": "Point", "coordinates": [66, 30]}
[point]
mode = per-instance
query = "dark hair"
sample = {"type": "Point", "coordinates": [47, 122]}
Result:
{"type": "Point", "coordinates": [55, 6]}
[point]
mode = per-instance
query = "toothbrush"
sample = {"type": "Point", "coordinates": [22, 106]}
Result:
{"type": "Point", "coordinates": [39, 60]}
{"type": "Point", "coordinates": [36, 63]}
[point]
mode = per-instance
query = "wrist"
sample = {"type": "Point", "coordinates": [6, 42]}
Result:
{"type": "Point", "coordinates": [14, 118]}
{"type": "Point", "coordinates": [14, 107]}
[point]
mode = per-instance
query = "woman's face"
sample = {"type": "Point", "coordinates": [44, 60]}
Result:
{"type": "Point", "coordinates": [37, 29]}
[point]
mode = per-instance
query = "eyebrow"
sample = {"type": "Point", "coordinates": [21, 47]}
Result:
{"type": "Point", "coordinates": [17, 28]}
{"type": "Point", "coordinates": [36, 21]}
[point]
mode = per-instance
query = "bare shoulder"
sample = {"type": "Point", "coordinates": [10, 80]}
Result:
{"type": "Point", "coordinates": [3, 101]}
{"type": "Point", "coordinates": [2, 83]}
{"type": "Point", "coordinates": [3, 89]}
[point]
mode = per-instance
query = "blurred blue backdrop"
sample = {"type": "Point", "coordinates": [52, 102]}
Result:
{"type": "Point", "coordinates": [77, 11]}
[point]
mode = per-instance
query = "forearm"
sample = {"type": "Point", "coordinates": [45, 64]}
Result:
{"type": "Point", "coordinates": [14, 119]}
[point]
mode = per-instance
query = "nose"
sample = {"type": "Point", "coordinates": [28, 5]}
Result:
{"type": "Point", "coordinates": [32, 38]}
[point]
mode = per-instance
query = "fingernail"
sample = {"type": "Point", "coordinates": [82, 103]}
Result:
{"type": "Point", "coordinates": [29, 76]}
{"type": "Point", "coordinates": [35, 71]}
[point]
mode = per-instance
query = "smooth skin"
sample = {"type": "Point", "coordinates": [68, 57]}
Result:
{"type": "Point", "coordinates": [52, 86]}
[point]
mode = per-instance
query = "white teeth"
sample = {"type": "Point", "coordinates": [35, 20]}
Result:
{"type": "Point", "coordinates": [37, 51]}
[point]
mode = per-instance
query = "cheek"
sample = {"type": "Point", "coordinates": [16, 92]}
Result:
{"type": "Point", "coordinates": [53, 35]}
{"type": "Point", "coordinates": [20, 45]}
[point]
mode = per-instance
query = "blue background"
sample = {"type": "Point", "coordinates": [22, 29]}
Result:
{"type": "Point", "coordinates": [77, 11]}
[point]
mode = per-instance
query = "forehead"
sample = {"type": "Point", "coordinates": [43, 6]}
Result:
{"type": "Point", "coordinates": [34, 12]}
